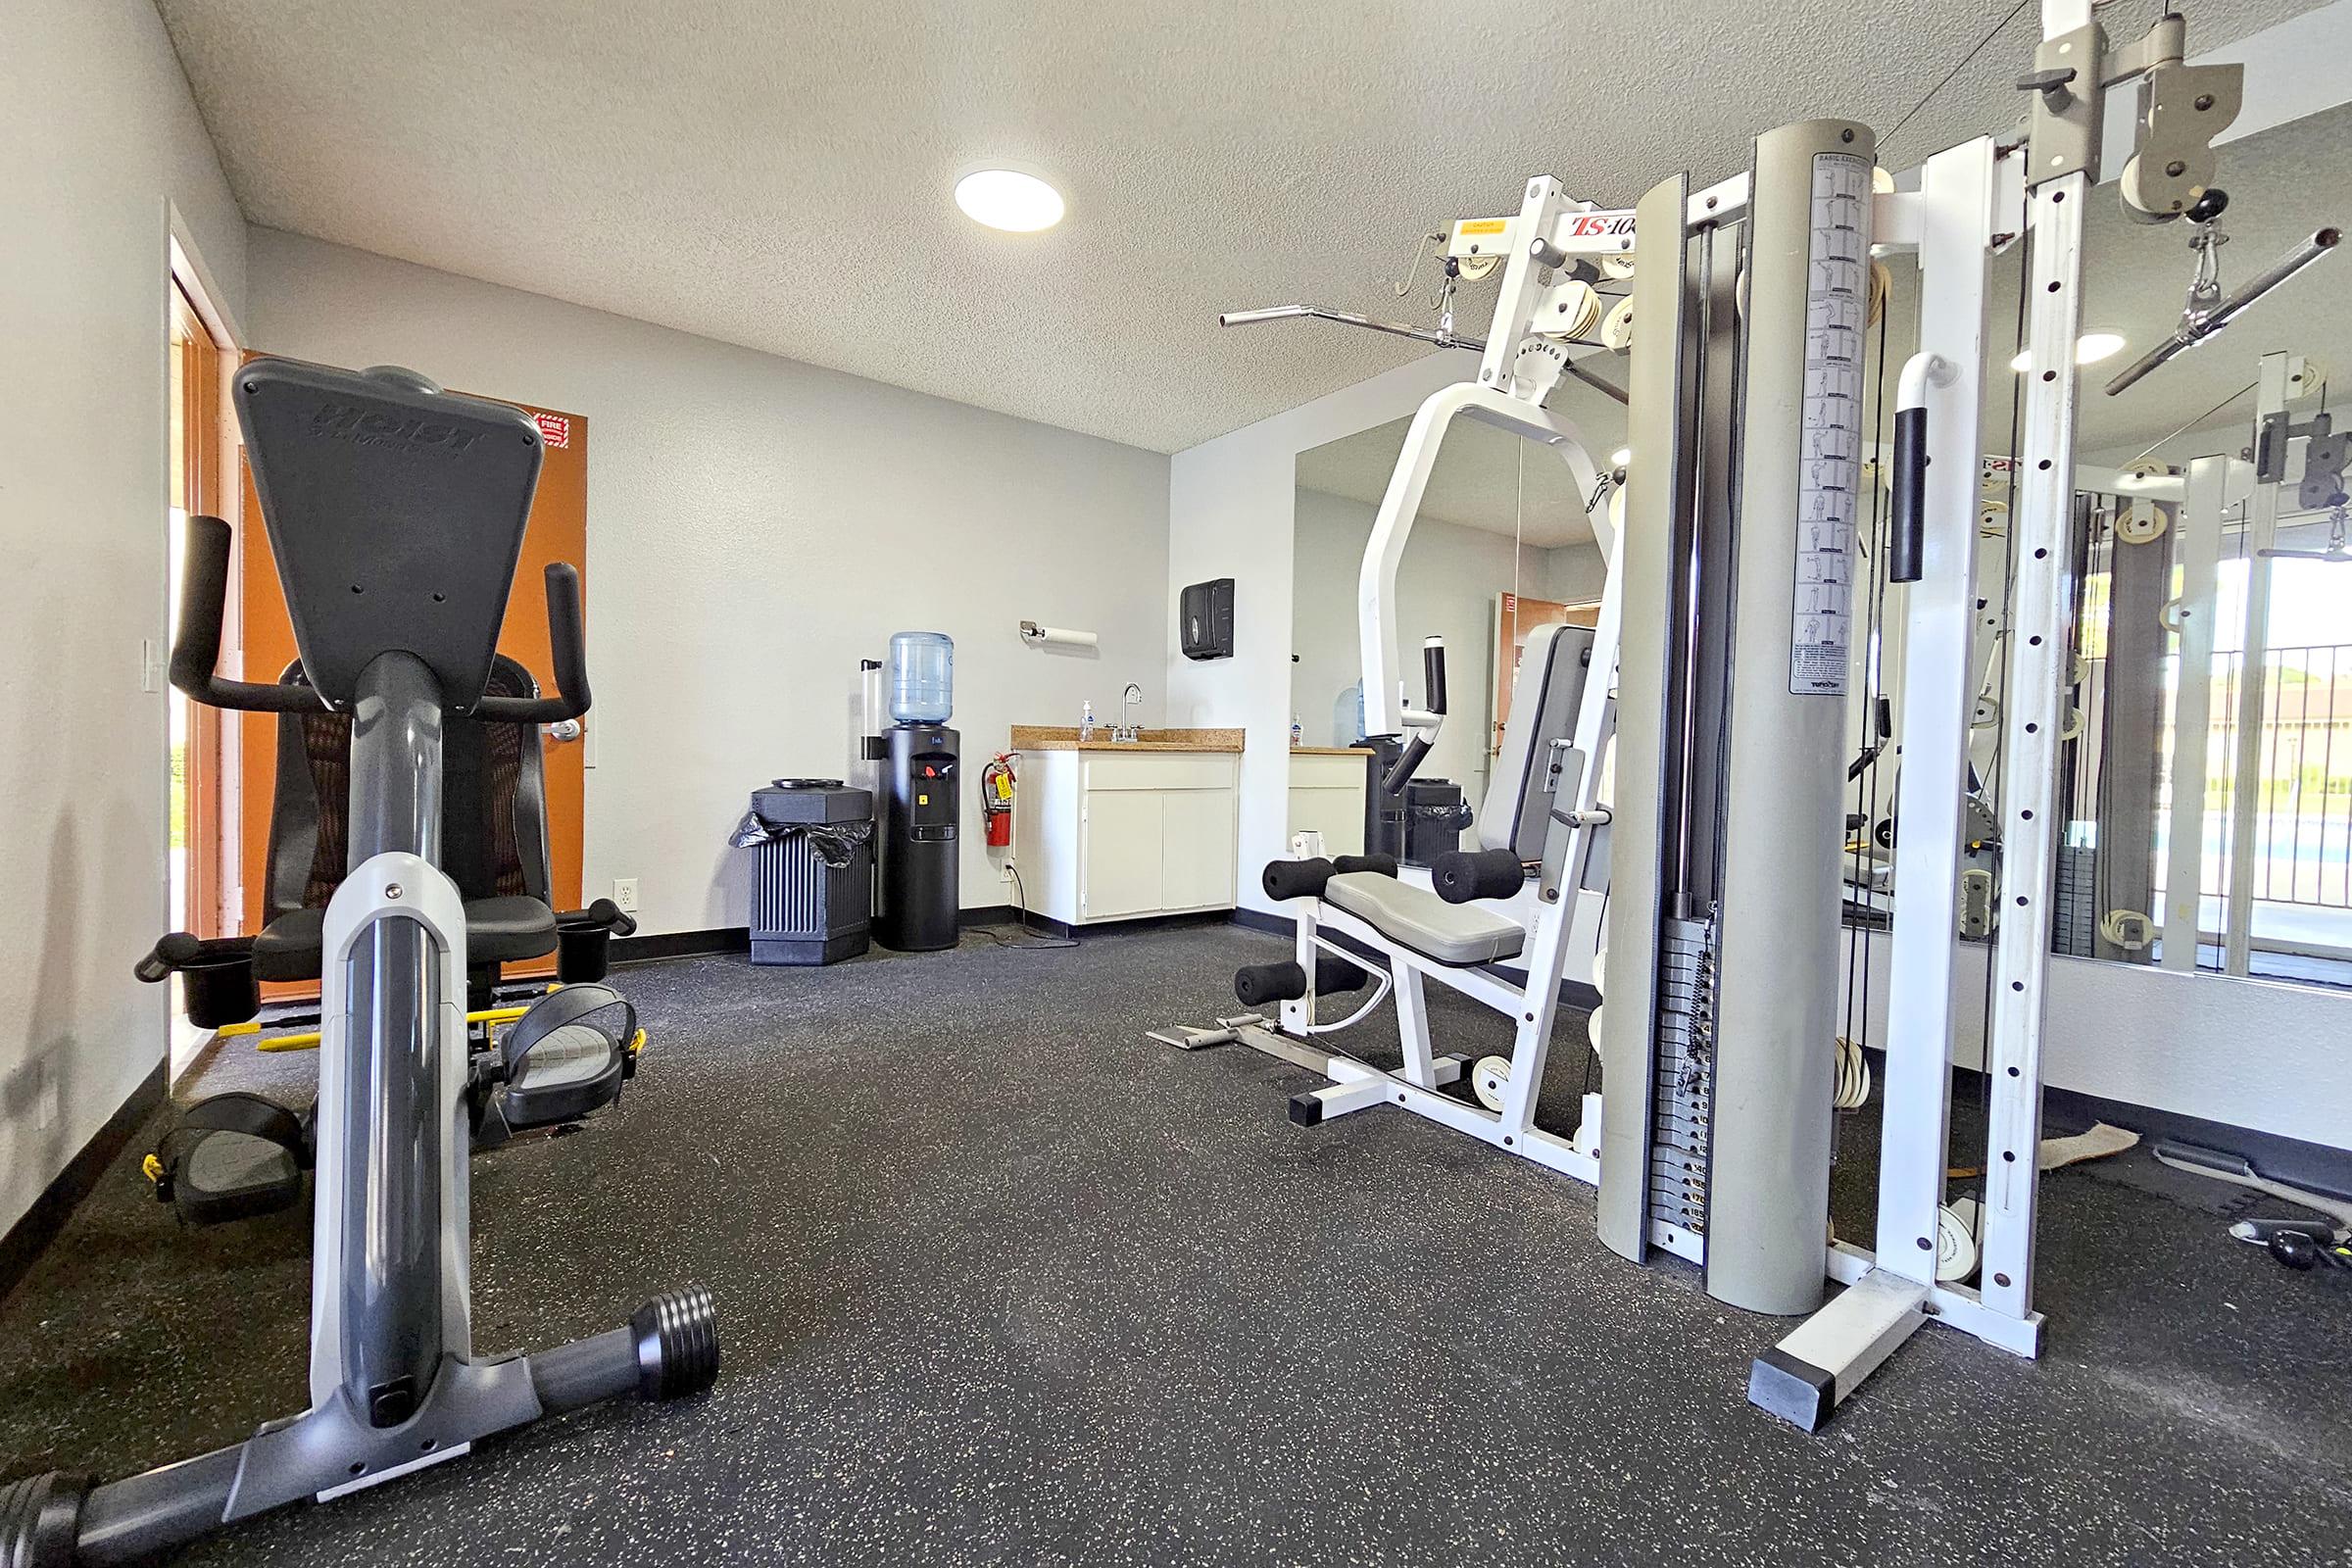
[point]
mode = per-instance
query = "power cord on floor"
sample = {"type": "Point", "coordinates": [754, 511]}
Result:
{"type": "Point", "coordinates": [1036, 939]}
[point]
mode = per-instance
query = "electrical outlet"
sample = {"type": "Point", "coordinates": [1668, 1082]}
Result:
{"type": "Point", "coordinates": [151, 665]}
{"type": "Point", "coordinates": [1004, 870]}
{"type": "Point", "coordinates": [624, 894]}
{"type": "Point", "coordinates": [50, 1108]}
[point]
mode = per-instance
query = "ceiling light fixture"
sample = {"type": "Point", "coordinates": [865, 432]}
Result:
{"type": "Point", "coordinates": [2090, 349]}
{"type": "Point", "coordinates": [1009, 200]}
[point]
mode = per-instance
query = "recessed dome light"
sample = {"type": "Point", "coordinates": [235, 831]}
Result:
{"type": "Point", "coordinates": [1009, 200]}
{"type": "Point", "coordinates": [2090, 349]}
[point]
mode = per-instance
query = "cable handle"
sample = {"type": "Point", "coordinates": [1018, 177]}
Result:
{"type": "Point", "coordinates": [1906, 551]}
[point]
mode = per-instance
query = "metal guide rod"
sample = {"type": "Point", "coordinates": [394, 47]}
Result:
{"type": "Point", "coordinates": [2260, 532]}
{"type": "Point", "coordinates": [2197, 549]}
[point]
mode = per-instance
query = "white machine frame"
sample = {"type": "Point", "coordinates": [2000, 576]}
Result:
{"type": "Point", "coordinates": [1968, 201]}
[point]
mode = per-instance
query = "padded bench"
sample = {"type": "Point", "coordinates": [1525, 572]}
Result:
{"type": "Point", "coordinates": [1417, 918]}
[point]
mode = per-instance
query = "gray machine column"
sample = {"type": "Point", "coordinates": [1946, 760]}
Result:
{"type": "Point", "coordinates": [391, 1235]}
{"type": "Point", "coordinates": [1730, 964]}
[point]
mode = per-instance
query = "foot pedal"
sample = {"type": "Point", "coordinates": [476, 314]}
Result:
{"type": "Point", "coordinates": [232, 1157]}
{"type": "Point", "coordinates": [566, 1057]}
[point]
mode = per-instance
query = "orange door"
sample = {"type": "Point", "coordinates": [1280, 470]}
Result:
{"type": "Point", "coordinates": [557, 531]}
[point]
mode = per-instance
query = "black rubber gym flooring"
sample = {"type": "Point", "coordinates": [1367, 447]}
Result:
{"type": "Point", "coordinates": [1003, 1282]}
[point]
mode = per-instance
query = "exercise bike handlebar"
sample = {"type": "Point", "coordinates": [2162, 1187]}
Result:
{"type": "Point", "coordinates": [204, 602]}
{"type": "Point", "coordinates": [196, 650]}
{"type": "Point", "coordinates": [566, 646]}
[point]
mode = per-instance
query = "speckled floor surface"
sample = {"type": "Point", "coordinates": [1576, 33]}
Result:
{"type": "Point", "coordinates": [1004, 1283]}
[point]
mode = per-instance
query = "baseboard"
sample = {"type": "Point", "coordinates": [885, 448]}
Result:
{"type": "Point", "coordinates": [682, 943]}
{"type": "Point", "coordinates": [1029, 920]}
{"type": "Point", "coordinates": [2292, 1160]}
{"type": "Point", "coordinates": [38, 1227]}
{"type": "Point", "coordinates": [1575, 994]}
{"type": "Point", "coordinates": [737, 938]}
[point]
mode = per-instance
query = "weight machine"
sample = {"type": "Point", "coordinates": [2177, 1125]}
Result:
{"type": "Point", "coordinates": [1547, 805]}
{"type": "Point", "coordinates": [1751, 299]}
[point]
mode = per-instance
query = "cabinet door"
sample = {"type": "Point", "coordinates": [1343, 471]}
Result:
{"type": "Point", "coordinates": [1336, 813]}
{"type": "Point", "coordinates": [1123, 853]}
{"type": "Point", "coordinates": [1197, 849]}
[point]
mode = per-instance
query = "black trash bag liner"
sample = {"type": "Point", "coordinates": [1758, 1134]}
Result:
{"type": "Point", "coordinates": [836, 843]}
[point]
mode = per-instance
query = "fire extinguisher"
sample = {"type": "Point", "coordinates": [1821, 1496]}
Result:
{"type": "Point", "coordinates": [996, 800]}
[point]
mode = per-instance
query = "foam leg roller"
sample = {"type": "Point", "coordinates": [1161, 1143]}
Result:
{"type": "Point", "coordinates": [1296, 879]}
{"type": "Point", "coordinates": [1459, 876]}
{"type": "Point", "coordinates": [1258, 983]}
{"type": "Point", "coordinates": [1335, 974]}
{"type": "Point", "coordinates": [1379, 864]}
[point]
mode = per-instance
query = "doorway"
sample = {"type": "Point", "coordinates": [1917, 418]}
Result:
{"type": "Point", "coordinates": [198, 468]}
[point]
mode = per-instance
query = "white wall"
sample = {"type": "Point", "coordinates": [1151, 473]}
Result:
{"type": "Point", "coordinates": [2253, 1054]}
{"type": "Point", "coordinates": [1230, 510]}
{"type": "Point", "coordinates": [101, 132]}
{"type": "Point", "coordinates": [754, 526]}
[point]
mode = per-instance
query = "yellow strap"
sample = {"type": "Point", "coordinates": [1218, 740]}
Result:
{"type": "Point", "coordinates": [638, 1044]}
{"type": "Point", "coordinates": [152, 1169]}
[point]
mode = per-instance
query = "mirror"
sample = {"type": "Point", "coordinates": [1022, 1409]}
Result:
{"type": "Point", "coordinates": [2238, 782]}
{"type": "Point", "coordinates": [1502, 546]}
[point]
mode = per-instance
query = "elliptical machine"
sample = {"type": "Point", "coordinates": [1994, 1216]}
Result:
{"type": "Point", "coordinates": [396, 513]}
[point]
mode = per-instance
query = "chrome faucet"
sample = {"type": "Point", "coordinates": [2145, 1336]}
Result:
{"type": "Point", "coordinates": [1127, 731]}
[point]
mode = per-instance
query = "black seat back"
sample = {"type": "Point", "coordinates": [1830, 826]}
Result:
{"type": "Point", "coordinates": [494, 841]}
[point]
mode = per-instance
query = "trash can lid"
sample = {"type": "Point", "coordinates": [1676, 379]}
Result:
{"type": "Point", "coordinates": [813, 800]}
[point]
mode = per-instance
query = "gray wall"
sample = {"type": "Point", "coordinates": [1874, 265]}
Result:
{"type": "Point", "coordinates": [754, 526]}
{"type": "Point", "coordinates": [101, 134]}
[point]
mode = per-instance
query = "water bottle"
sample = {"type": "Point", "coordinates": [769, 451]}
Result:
{"type": "Point", "coordinates": [922, 678]}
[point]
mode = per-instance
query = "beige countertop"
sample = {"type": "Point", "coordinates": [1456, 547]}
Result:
{"type": "Point", "coordinates": [1065, 738]}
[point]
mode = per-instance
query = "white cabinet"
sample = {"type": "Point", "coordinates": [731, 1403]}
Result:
{"type": "Point", "coordinates": [1198, 833]}
{"type": "Point", "coordinates": [1122, 853]}
{"type": "Point", "coordinates": [1104, 835]}
{"type": "Point", "coordinates": [1327, 795]}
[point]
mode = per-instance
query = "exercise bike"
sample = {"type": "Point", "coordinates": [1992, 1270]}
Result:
{"type": "Point", "coordinates": [396, 513]}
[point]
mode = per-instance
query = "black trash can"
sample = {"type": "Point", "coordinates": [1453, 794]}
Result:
{"type": "Point", "coordinates": [812, 870]}
{"type": "Point", "coordinates": [1435, 815]}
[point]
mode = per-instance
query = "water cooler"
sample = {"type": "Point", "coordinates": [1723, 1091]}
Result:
{"type": "Point", "coordinates": [916, 778]}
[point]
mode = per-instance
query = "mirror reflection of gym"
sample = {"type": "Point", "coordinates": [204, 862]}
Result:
{"type": "Point", "coordinates": [1501, 547]}
{"type": "Point", "coordinates": [2197, 538]}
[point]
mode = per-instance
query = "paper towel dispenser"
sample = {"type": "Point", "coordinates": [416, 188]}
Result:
{"type": "Point", "coordinates": [1208, 620]}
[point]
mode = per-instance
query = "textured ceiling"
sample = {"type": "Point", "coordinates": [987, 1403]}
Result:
{"type": "Point", "coordinates": [776, 172]}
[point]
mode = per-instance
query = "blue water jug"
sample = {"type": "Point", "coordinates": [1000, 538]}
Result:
{"type": "Point", "coordinates": [922, 678]}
